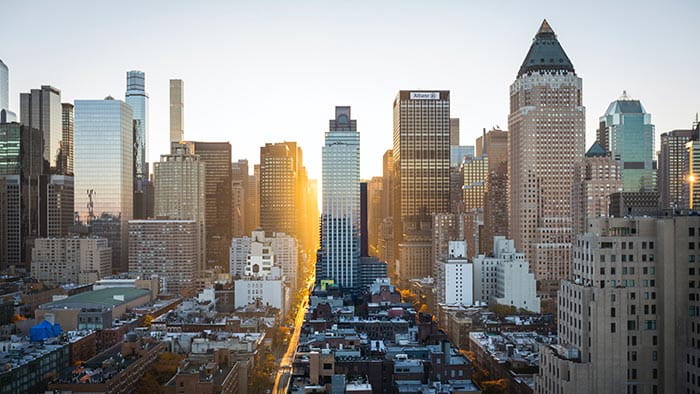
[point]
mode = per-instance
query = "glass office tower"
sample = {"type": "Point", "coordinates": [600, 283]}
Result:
{"type": "Point", "coordinates": [626, 131]}
{"type": "Point", "coordinates": [137, 98]}
{"type": "Point", "coordinates": [41, 109]}
{"type": "Point", "coordinates": [340, 220]}
{"type": "Point", "coordinates": [104, 158]}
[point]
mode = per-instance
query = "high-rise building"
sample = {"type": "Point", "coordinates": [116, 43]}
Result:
{"type": "Point", "coordinates": [375, 193]}
{"type": "Point", "coordinates": [340, 218]}
{"type": "Point", "coordinates": [41, 109]}
{"type": "Point", "coordinates": [628, 318]}
{"type": "Point", "coordinates": [421, 153]}
{"type": "Point", "coordinates": [474, 172]}
{"type": "Point", "coordinates": [278, 187]}
{"type": "Point", "coordinates": [454, 131]}
{"type": "Point", "coordinates": [59, 261]}
{"type": "Point", "coordinates": [547, 131]}
{"type": "Point", "coordinates": [104, 163]}
{"type": "Point", "coordinates": [6, 116]}
{"type": "Point", "coordinates": [177, 110]}
{"type": "Point", "coordinates": [386, 245]}
{"type": "Point", "coordinates": [626, 131]}
{"type": "Point", "coordinates": [673, 169]}
{"type": "Point", "coordinates": [60, 198]}
{"type": "Point", "coordinates": [596, 177]}
{"type": "Point", "coordinates": [216, 157]}
{"type": "Point", "coordinates": [239, 195]}
{"type": "Point", "coordinates": [494, 143]}
{"type": "Point", "coordinates": [179, 180]}
{"type": "Point", "coordinates": [421, 159]}
{"type": "Point", "coordinates": [166, 249]}
{"type": "Point", "coordinates": [252, 205]}
{"type": "Point", "coordinates": [23, 181]}
{"type": "Point", "coordinates": [4, 86]}
{"type": "Point", "coordinates": [137, 98]}
{"type": "Point", "coordinates": [495, 206]}
{"type": "Point", "coordinates": [67, 149]}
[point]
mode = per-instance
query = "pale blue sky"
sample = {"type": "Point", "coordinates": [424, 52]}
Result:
{"type": "Point", "coordinates": [264, 71]}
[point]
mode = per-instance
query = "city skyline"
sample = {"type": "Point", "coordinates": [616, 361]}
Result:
{"type": "Point", "coordinates": [253, 61]}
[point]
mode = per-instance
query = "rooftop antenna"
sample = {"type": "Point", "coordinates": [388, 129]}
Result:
{"type": "Point", "coordinates": [624, 96]}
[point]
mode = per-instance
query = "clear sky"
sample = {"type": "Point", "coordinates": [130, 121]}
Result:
{"type": "Point", "coordinates": [268, 71]}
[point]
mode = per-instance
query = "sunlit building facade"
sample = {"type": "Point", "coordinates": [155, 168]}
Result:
{"type": "Point", "coordinates": [547, 132]}
{"type": "Point", "coordinates": [673, 169]}
{"type": "Point", "coordinates": [177, 110]}
{"type": "Point", "coordinates": [340, 218]}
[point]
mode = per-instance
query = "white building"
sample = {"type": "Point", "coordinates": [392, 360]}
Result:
{"type": "Point", "coordinates": [258, 252]}
{"type": "Point", "coordinates": [455, 276]}
{"type": "Point", "coordinates": [58, 261]}
{"type": "Point", "coordinates": [505, 277]}
{"type": "Point", "coordinates": [269, 290]}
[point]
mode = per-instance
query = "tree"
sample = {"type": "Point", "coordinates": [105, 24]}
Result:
{"type": "Point", "coordinates": [147, 320]}
{"type": "Point", "coordinates": [159, 373]}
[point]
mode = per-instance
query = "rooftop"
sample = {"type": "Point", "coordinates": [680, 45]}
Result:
{"type": "Point", "coordinates": [546, 54]}
{"type": "Point", "coordinates": [110, 298]}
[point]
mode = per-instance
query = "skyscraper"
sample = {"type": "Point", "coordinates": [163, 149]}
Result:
{"type": "Point", "coordinates": [239, 195]}
{"type": "Point", "coordinates": [23, 181]}
{"type": "Point", "coordinates": [596, 177]}
{"type": "Point", "coordinates": [673, 169]}
{"type": "Point", "coordinates": [137, 98]}
{"type": "Point", "coordinates": [421, 158]}
{"type": "Point", "coordinates": [218, 204]}
{"type": "Point", "coordinates": [340, 219]}
{"type": "Point", "coordinates": [4, 86]}
{"type": "Point", "coordinates": [626, 131]}
{"type": "Point", "coordinates": [375, 195]}
{"type": "Point", "coordinates": [67, 145]}
{"type": "Point", "coordinates": [177, 110]}
{"type": "Point", "coordinates": [5, 114]}
{"type": "Point", "coordinates": [278, 182]}
{"type": "Point", "coordinates": [494, 143]}
{"type": "Point", "coordinates": [179, 180]}
{"type": "Point", "coordinates": [422, 151]}
{"type": "Point", "coordinates": [547, 131]}
{"type": "Point", "coordinates": [41, 109]}
{"type": "Point", "coordinates": [104, 159]}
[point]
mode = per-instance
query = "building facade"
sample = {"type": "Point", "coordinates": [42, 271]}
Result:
{"type": "Point", "coordinates": [340, 218]}
{"type": "Point", "coordinates": [177, 110]}
{"type": "Point", "coordinates": [628, 318]}
{"type": "Point", "coordinates": [60, 261]}
{"type": "Point", "coordinates": [547, 131]}
{"type": "Point", "coordinates": [104, 164]}
{"type": "Point", "coordinates": [596, 177]}
{"type": "Point", "coordinates": [673, 169]}
{"type": "Point", "coordinates": [179, 180]}
{"type": "Point", "coordinates": [166, 249]}
{"type": "Point", "coordinates": [218, 205]}
{"type": "Point", "coordinates": [41, 109]}
{"type": "Point", "coordinates": [455, 276]}
{"type": "Point", "coordinates": [67, 144]}
{"type": "Point", "coordinates": [504, 278]}
{"type": "Point", "coordinates": [627, 132]}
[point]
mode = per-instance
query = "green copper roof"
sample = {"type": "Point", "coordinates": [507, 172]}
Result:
{"type": "Point", "coordinates": [546, 54]}
{"type": "Point", "coordinates": [596, 150]}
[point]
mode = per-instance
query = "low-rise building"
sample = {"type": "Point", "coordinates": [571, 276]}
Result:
{"type": "Point", "coordinates": [216, 373]}
{"type": "Point", "coordinates": [28, 366]}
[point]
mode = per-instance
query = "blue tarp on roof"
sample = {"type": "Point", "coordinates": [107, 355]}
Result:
{"type": "Point", "coordinates": [44, 330]}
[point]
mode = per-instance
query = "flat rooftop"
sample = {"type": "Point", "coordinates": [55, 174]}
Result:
{"type": "Point", "coordinates": [109, 298]}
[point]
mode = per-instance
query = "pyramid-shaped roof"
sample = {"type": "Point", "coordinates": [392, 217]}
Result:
{"type": "Point", "coordinates": [596, 150]}
{"type": "Point", "coordinates": [546, 54]}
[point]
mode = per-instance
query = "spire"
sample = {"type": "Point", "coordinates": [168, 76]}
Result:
{"type": "Point", "coordinates": [546, 56]}
{"type": "Point", "coordinates": [545, 28]}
